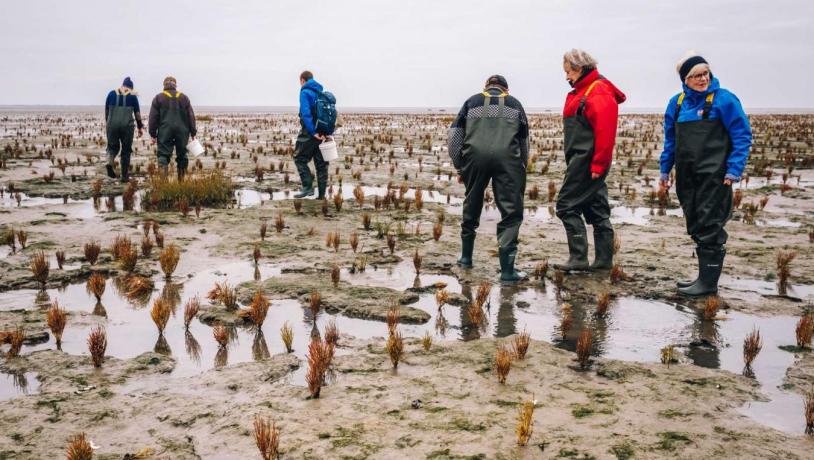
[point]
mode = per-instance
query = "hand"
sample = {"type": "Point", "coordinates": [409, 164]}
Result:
{"type": "Point", "coordinates": [320, 137]}
{"type": "Point", "coordinates": [153, 140]}
{"type": "Point", "coordinates": [460, 179]}
{"type": "Point", "coordinates": [727, 181]}
{"type": "Point", "coordinates": [140, 132]}
{"type": "Point", "coordinates": [595, 176]}
{"type": "Point", "coordinates": [664, 184]}
{"type": "Point", "coordinates": [192, 137]}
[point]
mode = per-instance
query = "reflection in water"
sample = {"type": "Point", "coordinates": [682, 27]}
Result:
{"type": "Point", "coordinates": [171, 294]}
{"type": "Point", "coordinates": [506, 321]}
{"type": "Point", "coordinates": [193, 347]}
{"type": "Point", "coordinates": [162, 347]}
{"type": "Point", "coordinates": [704, 347]}
{"type": "Point", "coordinates": [20, 381]}
{"type": "Point", "coordinates": [99, 310]}
{"type": "Point", "coordinates": [441, 323]}
{"type": "Point", "coordinates": [260, 349]}
{"type": "Point", "coordinates": [221, 357]}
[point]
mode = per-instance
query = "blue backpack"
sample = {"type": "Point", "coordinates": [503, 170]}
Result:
{"type": "Point", "coordinates": [324, 112]}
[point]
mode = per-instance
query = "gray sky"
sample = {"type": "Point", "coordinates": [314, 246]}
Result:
{"type": "Point", "coordinates": [377, 53]}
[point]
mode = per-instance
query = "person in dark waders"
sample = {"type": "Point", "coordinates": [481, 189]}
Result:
{"type": "Point", "coordinates": [308, 140]}
{"type": "Point", "coordinates": [589, 126]}
{"type": "Point", "coordinates": [172, 124]}
{"type": "Point", "coordinates": [707, 138]}
{"type": "Point", "coordinates": [121, 108]}
{"type": "Point", "coordinates": [488, 141]}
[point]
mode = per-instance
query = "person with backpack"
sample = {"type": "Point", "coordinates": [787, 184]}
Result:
{"type": "Point", "coordinates": [172, 123]}
{"type": "Point", "coordinates": [317, 120]}
{"type": "Point", "coordinates": [489, 142]}
{"type": "Point", "coordinates": [589, 128]}
{"type": "Point", "coordinates": [121, 108]}
{"type": "Point", "coordinates": [707, 137]}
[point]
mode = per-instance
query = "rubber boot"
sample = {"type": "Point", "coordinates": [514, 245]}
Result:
{"type": "Point", "coordinates": [508, 275]}
{"type": "Point", "coordinates": [467, 245]}
{"type": "Point", "coordinates": [125, 177]}
{"type": "Point", "coordinates": [683, 284]}
{"type": "Point", "coordinates": [307, 192]}
{"type": "Point", "coordinates": [111, 173]}
{"type": "Point", "coordinates": [710, 264]}
{"type": "Point", "coordinates": [603, 248]}
{"type": "Point", "coordinates": [578, 252]}
{"type": "Point", "coordinates": [321, 192]}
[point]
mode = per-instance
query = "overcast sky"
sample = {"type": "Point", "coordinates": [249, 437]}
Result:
{"type": "Point", "coordinates": [379, 53]}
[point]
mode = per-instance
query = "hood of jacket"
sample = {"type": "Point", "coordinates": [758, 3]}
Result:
{"type": "Point", "coordinates": [312, 85]}
{"type": "Point", "coordinates": [594, 75]}
{"type": "Point", "coordinates": [694, 95]}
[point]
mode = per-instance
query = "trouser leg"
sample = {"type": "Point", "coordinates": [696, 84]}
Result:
{"type": "Point", "coordinates": [303, 152]}
{"type": "Point", "coordinates": [181, 160]}
{"type": "Point", "coordinates": [509, 185]}
{"type": "Point", "coordinates": [597, 214]}
{"type": "Point", "coordinates": [476, 178]}
{"type": "Point", "coordinates": [322, 172]}
{"type": "Point", "coordinates": [127, 150]}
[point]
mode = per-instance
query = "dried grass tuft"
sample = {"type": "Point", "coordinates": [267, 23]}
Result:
{"type": "Point", "coordinates": [417, 258]}
{"type": "Point", "coordinates": [804, 330]}
{"type": "Point", "coordinates": [584, 347]}
{"type": "Point", "coordinates": [520, 345]}
{"type": "Point", "coordinates": [267, 438]}
{"type": "Point", "coordinates": [395, 347]}
{"type": "Point", "coordinates": [503, 363]}
{"type": "Point", "coordinates": [783, 271]}
{"type": "Point", "coordinates": [752, 345]}
{"type": "Point", "coordinates": [191, 310]}
{"type": "Point", "coordinates": [57, 319]}
{"type": "Point", "coordinates": [168, 259]}
{"type": "Point", "coordinates": [602, 303]}
{"type": "Point", "coordinates": [160, 313]}
{"type": "Point", "coordinates": [392, 318]}
{"type": "Point", "coordinates": [287, 335]}
{"type": "Point", "coordinates": [78, 448]}
{"type": "Point", "coordinates": [524, 425]}
{"type": "Point", "coordinates": [40, 267]}
{"type": "Point", "coordinates": [139, 287]}
{"type": "Point", "coordinates": [426, 341]}
{"type": "Point", "coordinates": [711, 306]}
{"type": "Point", "coordinates": [221, 335]}
{"type": "Point", "coordinates": [97, 344]}
{"type": "Point", "coordinates": [257, 310]}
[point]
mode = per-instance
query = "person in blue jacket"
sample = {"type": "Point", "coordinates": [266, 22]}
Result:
{"type": "Point", "coordinates": [707, 138]}
{"type": "Point", "coordinates": [122, 115]}
{"type": "Point", "coordinates": [307, 146]}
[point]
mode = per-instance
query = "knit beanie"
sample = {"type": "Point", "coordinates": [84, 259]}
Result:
{"type": "Point", "coordinates": [170, 83]}
{"type": "Point", "coordinates": [127, 83]}
{"type": "Point", "coordinates": [687, 66]}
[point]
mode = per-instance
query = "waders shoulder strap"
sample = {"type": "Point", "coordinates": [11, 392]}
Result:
{"type": "Point", "coordinates": [169, 95]}
{"type": "Point", "coordinates": [501, 102]}
{"type": "Point", "coordinates": [708, 105]}
{"type": "Point", "coordinates": [585, 97]}
{"type": "Point", "coordinates": [678, 106]}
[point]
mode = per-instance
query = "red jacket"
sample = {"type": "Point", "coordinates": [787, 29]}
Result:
{"type": "Point", "coordinates": [601, 110]}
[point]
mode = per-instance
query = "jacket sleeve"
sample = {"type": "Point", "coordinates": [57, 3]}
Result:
{"type": "Point", "coordinates": [108, 102]}
{"type": "Point", "coordinates": [137, 113]}
{"type": "Point", "coordinates": [193, 127]}
{"type": "Point", "coordinates": [155, 116]}
{"type": "Point", "coordinates": [667, 158]}
{"type": "Point", "coordinates": [305, 112]}
{"type": "Point", "coordinates": [602, 112]}
{"type": "Point", "coordinates": [455, 138]}
{"type": "Point", "coordinates": [737, 124]}
{"type": "Point", "coordinates": [523, 136]}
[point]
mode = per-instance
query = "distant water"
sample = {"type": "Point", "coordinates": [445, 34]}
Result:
{"type": "Point", "coordinates": [379, 110]}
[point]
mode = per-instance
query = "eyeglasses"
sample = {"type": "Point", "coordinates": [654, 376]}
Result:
{"type": "Point", "coordinates": [699, 76]}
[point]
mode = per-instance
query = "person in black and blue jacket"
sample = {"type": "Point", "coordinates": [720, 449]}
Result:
{"type": "Point", "coordinates": [307, 146]}
{"type": "Point", "coordinates": [121, 109]}
{"type": "Point", "coordinates": [707, 138]}
{"type": "Point", "coordinates": [489, 142]}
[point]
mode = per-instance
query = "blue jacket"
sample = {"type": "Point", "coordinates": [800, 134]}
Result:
{"type": "Point", "coordinates": [308, 102]}
{"type": "Point", "coordinates": [725, 107]}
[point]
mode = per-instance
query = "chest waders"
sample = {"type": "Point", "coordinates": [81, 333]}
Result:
{"type": "Point", "coordinates": [305, 150]}
{"type": "Point", "coordinates": [491, 153]}
{"type": "Point", "coordinates": [581, 196]}
{"type": "Point", "coordinates": [120, 125]}
{"type": "Point", "coordinates": [701, 151]}
{"type": "Point", "coordinates": [173, 132]}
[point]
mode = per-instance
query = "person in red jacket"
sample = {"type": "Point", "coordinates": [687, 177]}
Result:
{"type": "Point", "coordinates": [589, 126]}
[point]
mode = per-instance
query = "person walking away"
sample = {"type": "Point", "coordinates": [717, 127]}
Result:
{"type": "Point", "coordinates": [121, 109]}
{"type": "Point", "coordinates": [707, 137]}
{"type": "Point", "coordinates": [488, 141]}
{"type": "Point", "coordinates": [171, 125]}
{"type": "Point", "coordinates": [589, 127]}
{"type": "Point", "coordinates": [317, 122]}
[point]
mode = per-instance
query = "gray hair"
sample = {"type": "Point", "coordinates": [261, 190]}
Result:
{"type": "Point", "coordinates": [579, 59]}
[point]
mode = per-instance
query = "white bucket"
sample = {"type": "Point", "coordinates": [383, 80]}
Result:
{"type": "Point", "coordinates": [328, 150]}
{"type": "Point", "coordinates": [195, 148]}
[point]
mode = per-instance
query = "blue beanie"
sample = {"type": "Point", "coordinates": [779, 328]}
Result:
{"type": "Point", "coordinates": [128, 83]}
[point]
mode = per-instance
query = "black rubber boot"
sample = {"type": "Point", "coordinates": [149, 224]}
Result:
{"type": "Point", "coordinates": [125, 177]}
{"type": "Point", "coordinates": [710, 264]}
{"type": "Point", "coordinates": [305, 192]}
{"type": "Point", "coordinates": [577, 249]}
{"type": "Point", "coordinates": [603, 247]}
{"type": "Point", "coordinates": [508, 275]}
{"type": "Point", "coordinates": [111, 173]}
{"type": "Point", "coordinates": [683, 284]}
{"type": "Point", "coordinates": [467, 245]}
{"type": "Point", "coordinates": [321, 192]}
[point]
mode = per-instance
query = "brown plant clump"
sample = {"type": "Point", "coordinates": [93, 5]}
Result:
{"type": "Point", "coordinates": [391, 242]}
{"type": "Point", "coordinates": [395, 347]}
{"type": "Point", "coordinates": [57, 319]}
{"type": "Point", "coordinates": [287, 335]}
{"type": "Point", "coordinates": [804, 330]}
{"type": "Point", "coordinates": [78, 448]}
{"type": "Point", "coordinates": [711, 306]}
{"type": "Point", "coordinates": [520, 345]}
{"type": "Point", "coordinates": [40, 268]}
{"type": "Point", "coordinates": [426, 341]}
{"type": "Point", "coordinates": [540, 270]}
{"type": "Point", "coordinates": [332, 333]}
{"type": "Point", "coordinates": [139, 287]}
{"type": "Point", "coordinates": [335, 274]}
{"type": "Point", "coordinates": [441, 298]}
{"type": "Point", "coordinates": [15, 340]}
{"type": "Point", "coordinates": [417, 258]}
{"type": "Point", "coordinates": [315, 301]}
{"type": "Point", "coordinates": [168, 259]}
{"type": "Point", "coordinates": [584, 347]}
{"type": "Point", "coordinates": [566, 321]}
{"type": "Point", "coordinates": [97, 344]}
{"type": "Point", "coordinates": [160, 313]}
{"type": "Point", "coordinates": [338, 200]}
{"type": "Point", "coordinates": [437, 229]}
{"type": "Point", "coordinates": [224, 294]}
{"type": "Point", "coordinates": [279, 223]}
{"type": "Point", "coordinates": [783, 272]}
{"type": "Point", "coordinates": [146, 246]}
{"type": "Point", "coordinates": [808, 410]}
{"type": "Point", "coordinates": [267, 438]}
{"type": "Point", "coordinates": [191, 311]}
{"type": "Point", "coordinates": [602, 303]}
{"type": "Point", "coordinates": [524, 425]}
{"type": "Point", "coordinates": [128, 258]}
{"type": "Point", "coordinates": [319, 359]}
{"type": "Point", "coordinates": [263, 229]}
{"type": "Point", "coordinates": [475, 314]}
{"type": "Point", "coordinates": [256, 254]}
{"type": "Point", "coordinates": [354, 241]}
{"type": "Point", "coordinates": [392, 318]}
{"type": "Point", "coordinates": [60, 255]}
{"type": "Point", "coordinates": [752, 345]}
{"type": "Point", "coordinates": [618, 274]}
{"type": "Point", "coordinates": [482, 297]}
{"type": "Point", "coordinates": [668, 355]}
{"type": "Point", "coordinates": [503, 363]}
{"type": "Point", "coordinates": [96, 285]}
{"type": "Point", "coordinates": [257, 310]}
{"type": "Point", "coordinates": [221, 335]}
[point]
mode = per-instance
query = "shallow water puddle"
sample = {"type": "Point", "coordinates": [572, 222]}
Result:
{"type": "Point", "coordinates": [633, 330]}
{"type": "Point", "coordinates": [17, 384]}
{"type": "Point", "coordinates": [249, 198]}
{"type": "Point", "coordinates": [803, 292]}
{"type": "Point", "coordinates": [75, 209]}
